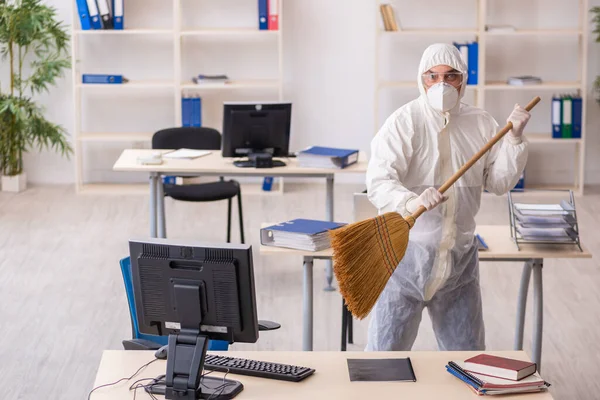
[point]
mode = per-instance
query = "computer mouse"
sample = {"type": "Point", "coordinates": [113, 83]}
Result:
{"type": "Point", "coordinates": [267, 325]}
{"type": "Point", "coordinates": [162, 353]}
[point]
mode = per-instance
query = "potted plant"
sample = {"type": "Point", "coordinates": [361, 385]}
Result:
{"type": "Point", "coordinates": [34, 43]}
{"type": "Point", "coordinates": [596, 20]}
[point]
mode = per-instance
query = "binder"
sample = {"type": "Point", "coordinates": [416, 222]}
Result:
{"type": "Point", "coordinates": [556, 118]}
{"type": "Point", "coordinates": [103, 79]}
{"type": "Point", "coordinates": [117, 8]}
{"type": "Point", "coordinates": [263, 15]}
{"type": "Point", "coordinates": [577, 107]}
{"type": "Point", "coordinates": [267, 183]}
{"type": "Point", "coordinates": [473, 62]}
{"type": "Point", "coordinates": [94, 15]}
{"type": "Point", "coordinates": [567, 118]}
{"type": "Point", "coordinates": [186, 111]}
{"type": "Point", "coordinates": [273, 15]}
{"type": "Point", "coordinates": [105, 14]}
{"type": "Point", "coordinates": [327, 157]}
{"type": "Point", "coordinates": [300, 234]}
{"type": "Point", "coordinates": [84, 15]}
{"type": "Point", "coordinates": [196, 111]}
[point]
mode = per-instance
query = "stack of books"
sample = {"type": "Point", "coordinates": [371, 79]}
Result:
{"type": "Point", "coordinates": [491, 375]}
{"type": "Point", "coordinates": [299, 234]}
{"type": "Point", "coordinates": [524, 80]}
{"type": "Point", "coordinates": [546, 222]}
{"type": "Point", "coordinates": [326, 157]}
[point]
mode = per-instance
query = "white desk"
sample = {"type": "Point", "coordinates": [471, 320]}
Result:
{"type": "Point", "coordinates": [501, 248]}
{"type": "Point", "coordinates": [330, 380]}
{"type": "Point", "coordinates": [215, 164]}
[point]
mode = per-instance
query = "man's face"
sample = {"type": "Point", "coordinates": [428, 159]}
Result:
{"type": "Point", "coordinates": [442, 73]}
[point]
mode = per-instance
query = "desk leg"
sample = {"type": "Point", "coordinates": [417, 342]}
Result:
{"type": "Point", "coordinates": [329, 216]}
{"type": "Point", "coordinates": [153, 196]}
{"type": "Point", "coordinates": [160, 203]}
{"type": "Point", "coordinates": [538, 311]}
{"type": "Point", "coordinates": [522, 305]}
{"type": "Point", "coordinates": [307, 334]}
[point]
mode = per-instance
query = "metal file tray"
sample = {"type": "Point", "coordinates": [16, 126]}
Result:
{"type": "Point", "coordinates": [544, 223]}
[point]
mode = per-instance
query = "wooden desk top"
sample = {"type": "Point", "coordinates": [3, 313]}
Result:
{"type": "Point", "coordinates": [330, 381]}
{"type": "Point", "coordinates": [497, 237]}
{"type": "Point", "coordinates": [214, 163]}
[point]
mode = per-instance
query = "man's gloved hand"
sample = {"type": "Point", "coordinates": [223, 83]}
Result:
{"type": "Point", "coordinates": [519, 118]}
{"type": "Point", "coordinates": [430, 198]}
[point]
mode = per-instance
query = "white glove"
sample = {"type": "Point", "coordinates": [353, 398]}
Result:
{"type": "Point", "coordinates": [519, 118]}
{"type": "Point", "coordinates": [430, 198]}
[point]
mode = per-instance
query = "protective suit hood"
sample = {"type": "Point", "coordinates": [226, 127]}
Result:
{"type": "Point", "coordinates": [442, 54]}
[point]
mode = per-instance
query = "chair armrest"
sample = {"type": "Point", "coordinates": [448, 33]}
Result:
{"type": "Point", "coordinates": [140, 344]}
{"type": "Point", "coordinates": [267, 325]}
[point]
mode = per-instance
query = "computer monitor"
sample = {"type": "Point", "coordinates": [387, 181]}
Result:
{"type": "Point", "coordinates": [258, 131]}
{"type": "Point", "coordinates": [194, 292]}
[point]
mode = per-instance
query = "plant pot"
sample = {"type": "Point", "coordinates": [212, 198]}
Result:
{"type": "Point", "coordinates": [15, 183]}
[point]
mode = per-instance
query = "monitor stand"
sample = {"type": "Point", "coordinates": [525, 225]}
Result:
{"type": "Point", "coordinates": [184, 380]}
{"type": "Point", "coordinates": [259, 160]}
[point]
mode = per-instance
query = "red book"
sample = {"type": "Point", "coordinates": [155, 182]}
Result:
{"type": "Point", "coordinates": [500, 367]}
{"type": "Point", "coordinates": [273, 15]}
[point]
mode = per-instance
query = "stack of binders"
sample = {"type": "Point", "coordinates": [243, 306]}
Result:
{"type": "Point", "coordinates": [299, 234]}
{"type": "Point", "coordinates": [97, 14]}
{"type": "Point", "coordinates": [268, 15]}
{"type": "Point", "coordinates": [566, 116]}
{"type": "Point", "coordinates": [327, 157]}
{"type": "Point", "coordinates": [470, 55]}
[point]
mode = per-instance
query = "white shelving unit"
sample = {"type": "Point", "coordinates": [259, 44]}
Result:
{"type": "Point", "coordinates": [485, 86]}
{"type": "Point", "coordinates": [175, 87]}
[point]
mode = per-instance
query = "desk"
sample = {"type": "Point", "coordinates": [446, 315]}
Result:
{"type": "Point", "coordinates": [501, 248]}
{"type": "Point", "coordinates": [330, 381]}
{"type": "Point", "coordinates": [215, 164]}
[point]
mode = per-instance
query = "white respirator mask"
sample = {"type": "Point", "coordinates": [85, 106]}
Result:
{"type": "Point", "coordinates": [442, 96]}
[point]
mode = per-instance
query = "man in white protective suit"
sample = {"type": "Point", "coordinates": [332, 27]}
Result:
{"type": "Point", "coordinates": [418, 148]}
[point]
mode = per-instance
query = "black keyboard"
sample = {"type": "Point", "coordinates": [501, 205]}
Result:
{"type": "Point", "coordinates": [261, 369]}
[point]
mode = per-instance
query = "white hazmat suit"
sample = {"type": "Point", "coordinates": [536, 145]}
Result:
{"type": "Point", "coordinates": [419, 147]}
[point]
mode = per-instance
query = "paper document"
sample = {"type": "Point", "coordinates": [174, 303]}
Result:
{"type": "Point", "coordinates": [186, 154]}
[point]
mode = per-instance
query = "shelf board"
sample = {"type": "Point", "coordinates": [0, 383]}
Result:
{"type": "Point", "coordinates": [543, 86]}
{"type": "Point", "coordinates": [104, 32]}
{"type": "Point", "coordinates": [442, 31]}
{"type": "Point", "coordinates": [129, 85]}
{"type": "Point", "coordinates": [253, 32]}
{"type": "Point", "coordinates": [547, 138]}
{"type": "Point", "coordinates": [115, 137]}
{"type": "Point", "coordinates": [542, 186]}
{"type": "Point", "coordinates": [233, 84]}
{"type": "Point", "coordinates": [118, 189]}
{"type": "Point", "coordinates": [541, 32]}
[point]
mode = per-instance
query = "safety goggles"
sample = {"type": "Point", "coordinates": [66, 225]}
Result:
{"type": "Point", "coordinates": [452, 78]}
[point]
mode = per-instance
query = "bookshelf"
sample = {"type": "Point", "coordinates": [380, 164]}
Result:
{"type": "Point", "coordinates": [185, 36]}
{"type": "Point", "coordinates": [568, 27]}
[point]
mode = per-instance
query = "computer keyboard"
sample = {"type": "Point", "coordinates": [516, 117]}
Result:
{"type": "Point", "coordinates": [261, 369]}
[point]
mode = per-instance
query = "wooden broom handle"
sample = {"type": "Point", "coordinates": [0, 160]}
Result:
{"type": "Point", "coordinates": [476, 157]}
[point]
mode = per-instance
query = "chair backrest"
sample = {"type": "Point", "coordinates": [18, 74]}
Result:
{"type": "Point", "coordinates": [362, 208]}
{"type": "Point", "coordinates": [187, 138]}
{"type": "Point", "coordinates": [215, 345]}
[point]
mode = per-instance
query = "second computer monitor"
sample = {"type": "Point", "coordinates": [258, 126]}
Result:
{"type": "Point", "coordinates": [256, 128]}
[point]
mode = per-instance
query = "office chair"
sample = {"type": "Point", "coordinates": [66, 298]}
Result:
{"type": "Point", "coordinates": [200, 139]}
{"type": "Point", "coordinates": [141, 341]}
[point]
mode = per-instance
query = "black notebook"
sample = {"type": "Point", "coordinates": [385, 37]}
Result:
{"type": "Point", "coordinates": [380, 370]}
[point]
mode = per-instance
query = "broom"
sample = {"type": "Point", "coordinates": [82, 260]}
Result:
{"type": "Point", "coordinates": [366, 253]}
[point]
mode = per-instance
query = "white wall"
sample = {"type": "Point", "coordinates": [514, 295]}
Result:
{"type": "Point", "coordinates": [329, 52]}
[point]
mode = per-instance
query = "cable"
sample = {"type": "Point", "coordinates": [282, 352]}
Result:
{"type": "Point", "coordinates": [120, 380]}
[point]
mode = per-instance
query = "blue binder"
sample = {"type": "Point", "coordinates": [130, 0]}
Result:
{"type": "Point", "coordinates": [118, 14]}
{"type": "Point", "coordinates": [84, 15]}
{"type": "Point", "coordinates": [102, 79]}
{"type": "Point", "coordinates": [186, 111]}
{"type": "Point", "coordinates": [576, 104]}
{"type": "Point", "coordinates": [267, 183]}
{"type": "Point", "coordinates": [340, 157]}
{"type": "Point", "coordinates": [196, 111]}
{"type": "Point", "coordinates": [556, 118]}
{"type": "Point", "coordinates": [94, 14]}
{"type": "Point", "coordinates": [263, 15]}
{"type": "Point", "coordinates": [473, 63]}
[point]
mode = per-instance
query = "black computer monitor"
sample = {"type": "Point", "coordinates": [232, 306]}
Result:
{"type": "Point", "coordinates": [194, 292]}
{"type": "Point", "coordinates": [258, 131]}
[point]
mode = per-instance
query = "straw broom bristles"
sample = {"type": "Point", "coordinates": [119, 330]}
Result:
{"type": "Point", "coordinates": [358, 252]}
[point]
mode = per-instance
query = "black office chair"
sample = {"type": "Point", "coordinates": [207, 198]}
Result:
{"type": "Point", "coordinates": [200, 139]}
